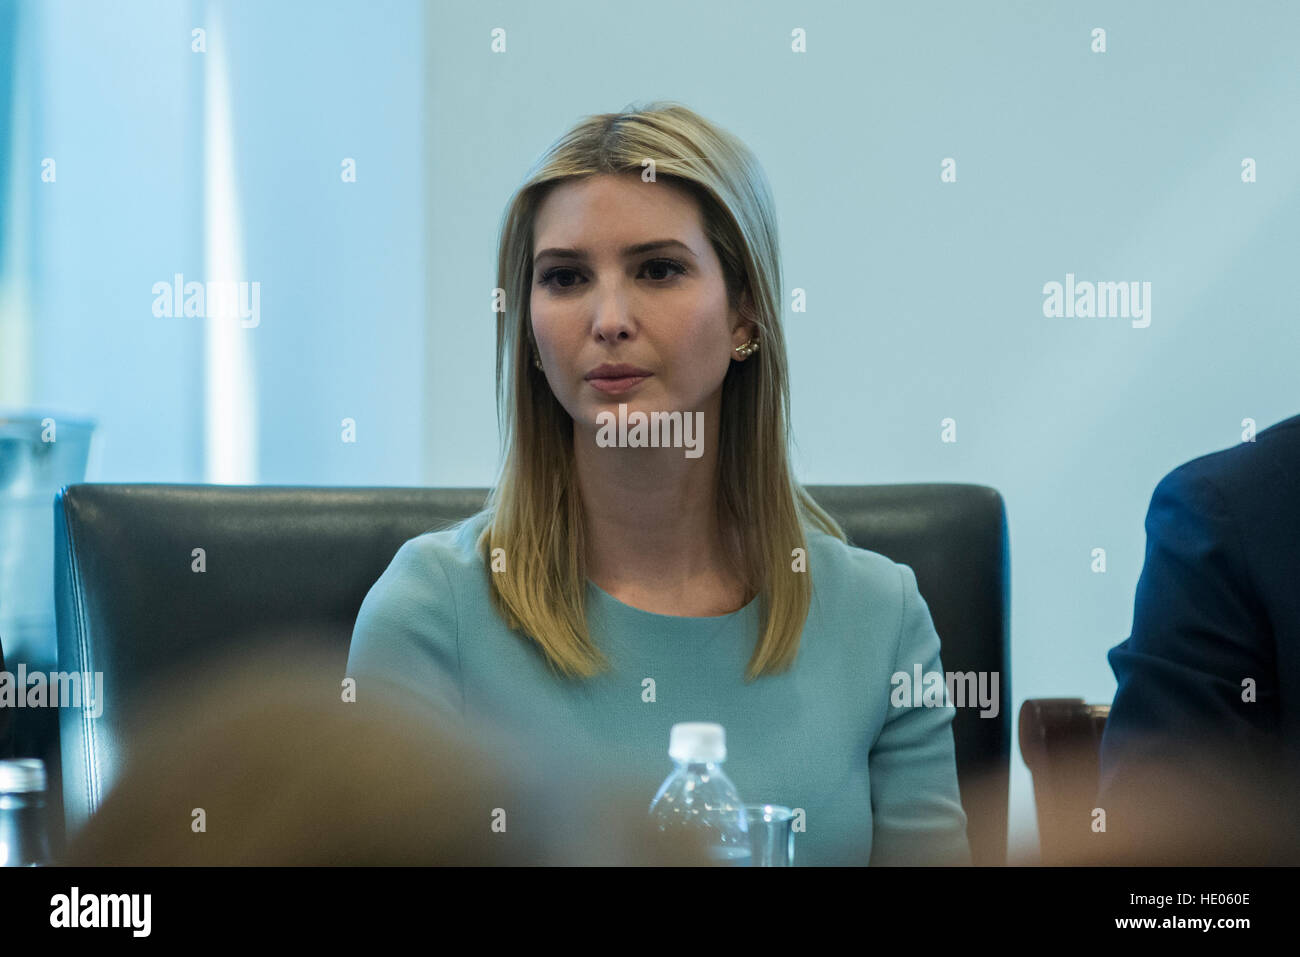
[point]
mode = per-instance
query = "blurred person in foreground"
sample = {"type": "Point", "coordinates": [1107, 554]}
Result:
{"type": "Point", "coordinates": [286, 772]}
{"type": "Point", "coordinates": [1200, 759]}
{"type": "Point", "coordinates": [619, 580]}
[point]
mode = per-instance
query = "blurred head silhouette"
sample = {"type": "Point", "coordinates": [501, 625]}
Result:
{"type": "Point", "coordinates": [261, 761]}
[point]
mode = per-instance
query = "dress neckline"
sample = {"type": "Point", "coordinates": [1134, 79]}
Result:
{"type": "Point", "coordinates": [666, 620]}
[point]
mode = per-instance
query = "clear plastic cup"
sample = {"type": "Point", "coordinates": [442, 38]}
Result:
{"type": "Point", "coordinates": [771, 835]}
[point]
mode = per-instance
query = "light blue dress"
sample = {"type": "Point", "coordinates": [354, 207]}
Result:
{"type": "Point", "coordinates": [875, 782]}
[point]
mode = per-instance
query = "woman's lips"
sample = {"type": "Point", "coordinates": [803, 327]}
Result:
{"type": "Point", "coordinates": [612, 386]}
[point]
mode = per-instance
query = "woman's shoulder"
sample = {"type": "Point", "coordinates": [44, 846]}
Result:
{"type": "Point", "coordinates": [845, 563]}
{"type": "Point", "coordinates": [449, 549]}
{"type": "Point", "coordinates": [859, 577]}
{"type": "Point", "coordinates": [423, 590]}
{"type": "Point", "coordinates": [871, 603]}
{"type": "Point", "coordinates": [427, 563]}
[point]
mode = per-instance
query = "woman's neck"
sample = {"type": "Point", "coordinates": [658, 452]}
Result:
{"type": "Point", "coordinates": [652, 526]}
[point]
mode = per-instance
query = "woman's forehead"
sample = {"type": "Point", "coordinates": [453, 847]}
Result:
{"type": "Point", "coordinates": [615, 211]}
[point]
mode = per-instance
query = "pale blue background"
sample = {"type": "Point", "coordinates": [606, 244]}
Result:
{"type": "Point", "coordinates": [924, 298]}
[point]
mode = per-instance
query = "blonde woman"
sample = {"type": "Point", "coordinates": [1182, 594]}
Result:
{"type": "Point", "coordinates": [614, 585]}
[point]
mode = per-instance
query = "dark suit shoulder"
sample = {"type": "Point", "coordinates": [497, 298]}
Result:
{"type": "Point", "coordinates": [1270, 464]}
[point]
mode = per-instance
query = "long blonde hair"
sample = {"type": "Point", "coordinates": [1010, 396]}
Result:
{"type": "Point", "coordinates": [536, 514]}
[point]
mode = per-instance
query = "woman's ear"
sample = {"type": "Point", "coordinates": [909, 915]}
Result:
{"type": "Point", "coordinates": [745, 316]}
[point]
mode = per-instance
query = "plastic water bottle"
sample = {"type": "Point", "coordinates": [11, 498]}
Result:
{"type": "Point", "coordinates": [699, 797]}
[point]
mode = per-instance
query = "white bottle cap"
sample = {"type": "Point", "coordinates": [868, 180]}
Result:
{"type": "Point", "coordinates": [697, 742]}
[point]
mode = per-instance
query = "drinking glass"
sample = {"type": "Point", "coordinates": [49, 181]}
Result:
{"type": "Point", "coordinates": [771, 835]}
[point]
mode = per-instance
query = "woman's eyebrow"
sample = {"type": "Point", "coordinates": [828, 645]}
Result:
{"type": "Point", "coordinates": [635, 250]}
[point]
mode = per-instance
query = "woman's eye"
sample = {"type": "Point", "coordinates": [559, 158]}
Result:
{"type": "Point", "coordinates": [551, 276]}
{"type": "Point", "coordinates": [548, 277]}
{"type": "Point", "coordinates": [666, 263]}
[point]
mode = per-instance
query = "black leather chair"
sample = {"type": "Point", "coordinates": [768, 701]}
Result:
{"type": "Point", "coordinates": [280, 558]}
